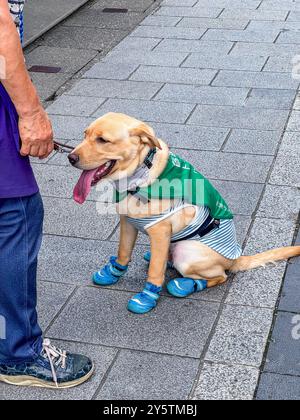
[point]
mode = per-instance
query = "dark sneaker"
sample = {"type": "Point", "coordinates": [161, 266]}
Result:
{"type": "Point", "coordinates": [54, 368]}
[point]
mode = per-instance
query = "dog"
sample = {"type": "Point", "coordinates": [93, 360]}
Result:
{"type": "Point", "coordinates": [183, 232]}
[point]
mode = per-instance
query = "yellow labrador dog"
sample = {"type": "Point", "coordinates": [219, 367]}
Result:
{"type": "Point", "coordinates": [194, 233]}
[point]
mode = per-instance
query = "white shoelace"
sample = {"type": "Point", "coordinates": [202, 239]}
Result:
{"type": "Point", "coordinates": [56, 357]}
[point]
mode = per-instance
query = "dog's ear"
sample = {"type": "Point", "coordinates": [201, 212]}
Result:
{"type": "Point", "coordinates": [146, 135]}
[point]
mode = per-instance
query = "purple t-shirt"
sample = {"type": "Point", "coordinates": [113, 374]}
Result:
{"type": "Point", "coordinates": [16, 175]}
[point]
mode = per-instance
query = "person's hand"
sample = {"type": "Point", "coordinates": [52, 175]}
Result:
{"type": "Point", "coordinates": [36, 134]}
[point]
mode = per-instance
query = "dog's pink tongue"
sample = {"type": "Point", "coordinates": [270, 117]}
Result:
{"type": "Point", "coordinates": [83, 186]}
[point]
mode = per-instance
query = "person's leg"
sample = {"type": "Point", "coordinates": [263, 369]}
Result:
{"type": "Point", "coordinates": [25, 359]}
{"type": "Point", "coordinates": [21, 222]}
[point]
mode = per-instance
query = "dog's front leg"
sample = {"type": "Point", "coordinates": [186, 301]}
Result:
{"type": "Point", "coordinates": [160, 238]}
{"type": "Point", "coordinates": [128, 238]}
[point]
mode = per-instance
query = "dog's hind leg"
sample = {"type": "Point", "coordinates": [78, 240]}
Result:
{"type": "Point", "coordinates": [196, 261]}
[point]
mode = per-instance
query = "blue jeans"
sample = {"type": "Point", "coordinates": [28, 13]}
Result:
{"type": "Point", "coordinates": [21, 222]}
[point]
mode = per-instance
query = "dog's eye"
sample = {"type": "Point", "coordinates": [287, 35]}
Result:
{"type": "Point", "coordinates": [101, 140]}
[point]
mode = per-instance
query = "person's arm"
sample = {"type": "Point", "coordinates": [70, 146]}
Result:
{"type": "Point", "coordinates": [34, 125]}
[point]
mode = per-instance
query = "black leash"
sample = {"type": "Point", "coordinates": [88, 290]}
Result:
{"type": "Point", "coordinates": [62, 148]}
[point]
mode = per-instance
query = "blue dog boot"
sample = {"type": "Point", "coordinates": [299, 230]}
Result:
{"type": "Point", "coordinates": [110, 274]}
{"type": "Point", "coordinates": [147, 257]}
{"type": "Point", "coordinates": [184, 287]}
{"type": "Point", "coordinates": [146, 301]}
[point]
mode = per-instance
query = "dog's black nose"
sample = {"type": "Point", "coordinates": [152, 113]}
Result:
{"type": "Point", "coordinates": [73, 158]}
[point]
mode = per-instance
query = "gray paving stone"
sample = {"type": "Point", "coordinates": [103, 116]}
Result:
{"type": "Point", "coordinates": [229, 166]}
{"type": "Point", "coordinates": [294, 17]}
{"type": "Point", "coordinates": [47, 85]}
{"type": "Point", "coordinates": [85, 38]}
{"type": "Point", "coordinates": [115, 89]}
{"type": "Point", "coordinates": [223, 382]}
{"type": "Point", "coordinates": [242, 197]}
{"type": "Point", "coordinates": [297, 103]}
{"type": "Point", "coordinates": [56, 181]}
{"type": "Point", "coordinates": [259, 288]}
{"type": "Point", "coordinates": [259, 14]}
{"type": "Point", "coordinates": [270, 98]}
{"type": "Point", "coordinates": [149, 111]}
{"type": "Point", "coordinates": [287, 201]}
{"type": "Point", "coordinates": [189, 12]}
{"type": "Point", "coordinates": [287, 165]}
{"type": "Point", "coordinates": [137, 44]}
{"type": "Point", "coordinates": [253, 141]}
{"type": "Point", "coordinates": [289, 38]}
{"type": "Point", "coordinates": [240, 35]}
{"type": "Point", "coordinates": [75, 105]}
{"type": "Point", "coordinates": [183, 137]}
{"type": "Point", "coordinates": [279, 64]}
{"type": "Point", "coordinates": [69, 128]}
{"type": "Point", "coordinates": [269, 234]}
{"type": "Point", "coordinates": [178, 3]}
{"type": "Point", "coordinates": [217, 61]}
{"type": "Point", "coordinates": [189, 46]}
{"type": "Point", "coordinates": [173, 377]}
{"type": "Point", "coordinates": [174, 75]}
{"type": "Point", "coordinates": [69, 59]}
{"type": "Point", "coordinates": [240, 336]}
{"type": "Point", "coordinates": [230, 4]}
{"type": "Point", "coordinates": [51, 298]}
{"type": "Point", "coordinates": [102, 357]}
{"type": "Point", "coordinates": [146, 58]}
{"type": "Point", "coordinates": [235, 117]}
{"type": "Point", "coordinates": [294, 122]}
{"type": "Point", "coordinates": [96, 19]}
{"type": "Point", "coordinates": [105, 71]}
{"type": "Point", "coordinates": [64, 217]}
{"type": "Point", "coordinates": [278, 388]}
{"type": "Point", "coordinates": [260, 80]}
{"type": "Point", "coordinates": [260, 25]}
{"type": "Point", "coordinates": [131, 5]}
{"type": "Point", "coordinates": [206, 95]}
{"type": "Point", "coordinates": [283, 355]}
{"type": "Point", "coordinates": [168, 32]}
{"type": "Point", "coordinates": [289, 301]}
{"type": "Point", "coordinates": [265, 49]}
{"type": "Point", "coordinates": [280, 5]}
{"type": "Point", "coordinates": [242, 225]}
{"type": "Point", "coordinates": [75, 323]}
{"type": "Point", "coordinates": [213, 23]}
{"type": "Point", "coordinates": [162, 21]}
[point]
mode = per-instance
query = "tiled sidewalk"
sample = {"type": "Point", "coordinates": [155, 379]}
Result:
{"type": "Point", "coordinates": [214, 80]}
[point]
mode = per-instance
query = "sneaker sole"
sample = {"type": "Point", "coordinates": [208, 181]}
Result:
{"type": "Point", "coordinates": [39, 383]}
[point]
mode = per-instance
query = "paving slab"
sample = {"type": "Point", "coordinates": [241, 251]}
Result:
{"type": "Point", "coordinates": [278, 388]}
{"type": "Point", "coordinates": [217, 61]}
{"type": "Point", "coordinates": [189, 46]}
{"type": "Point", "coordinates": [206, 95]}
{"type": "Point", "coordinates": [189, 11]}
{"type": "Point", "coordinates": [265, 49]}
{"type": "Point", "coordinates": [287, 201]}
{"type": "Point", "coordinates": [75, 106]}
{"type": "Point", "coordinates": [253, 142]}
{"type": "Point", "coordinates": [148, 111]}
{"type": "Point", "coordinates": [161, 21]}
{"type": "Point", "coordinates": [48, 84]}
{"type": "Point", "coordinates": [239, 117]}
{"type": "Point", "coordinates": [241, 336]}
{"type": "Point", "coordinates": [157, 378]}
{"type": "Point", "coordinates": [259, 14]}
{"type": "Point", "coordinates": [102, 357]}
{"type": "Point", "coordinates": [174, 75]}
{"type": "Point", "coordinates": [96, 19]}
{"type": "Point", "coordinates": [283, 354]}
{"type": "Point", "coordinates": [69, 127]}
{"type": "Point", "coordinates": [168, 32]}
{"type": "Point", "coordinates": [224, 382]}
{"type": "Point", "coordinates": [131, 5]}
{"type": "Point", "coordinates": [63, 219]}
{"type": "Point", "coordinates": [115, 89]}
{"type": "Point", "coordinates": [240, 35]}
{"type": "Point", "coordinates": [270, 98]}
{"type": "Point", "coordinates": [106, 71]}
{"type": "Point", "coordinates": [280, 5]}
{"type": "Point", "coordinates": [207, 23]}
{"type": "Point", "coordinates": [95, 304]}
{"type": "Point", "coordinates": [260, 80]}
{"type": "Point", "coordinates": [229, 166]}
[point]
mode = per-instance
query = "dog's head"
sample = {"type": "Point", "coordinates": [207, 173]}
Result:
{"type": "Point", "coordinates": [111, 149]}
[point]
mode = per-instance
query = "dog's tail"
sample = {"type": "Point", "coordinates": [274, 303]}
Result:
{"type": "Point", "coordinates": [259, 260]}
